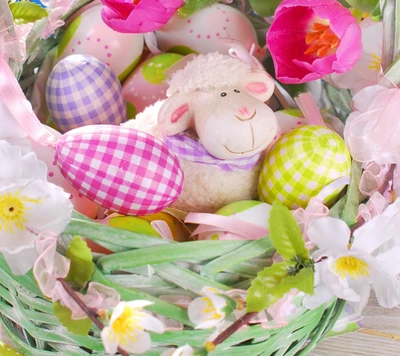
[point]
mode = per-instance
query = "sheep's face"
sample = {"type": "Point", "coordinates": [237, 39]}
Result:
{"type": "Point", "coordinates": [231, 122]}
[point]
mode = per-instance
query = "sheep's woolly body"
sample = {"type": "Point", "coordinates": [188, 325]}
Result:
{"type": "Point", "coordinates": [207, 72]}
{"type": "Point", "coordinates": [206, 188]}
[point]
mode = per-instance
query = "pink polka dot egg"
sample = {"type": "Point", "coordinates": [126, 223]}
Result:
{"type": "Point", "coordinates": [202, 32]}
{"type": "Point", "coordinates": [88, 34]}
{"type": "Point", "coordinates": [147, 84]}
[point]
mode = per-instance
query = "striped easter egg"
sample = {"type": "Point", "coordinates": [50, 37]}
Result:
{"type": "Point", "coordinates": [121, 169]}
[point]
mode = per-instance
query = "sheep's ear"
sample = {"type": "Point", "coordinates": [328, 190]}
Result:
{"type": "Point", "coordinates": [259, 84]}
{"type": "Point", "coordinates": [175, 115]}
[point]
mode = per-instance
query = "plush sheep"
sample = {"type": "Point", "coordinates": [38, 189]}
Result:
{"type": "Point", "coordinates": [216, 122]}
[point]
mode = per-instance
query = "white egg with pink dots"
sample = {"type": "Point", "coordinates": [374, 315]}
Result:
{"type": "Point", "coordinates": [88, 34]}
{"type": "Point", "coordinates": [147, 84]}
{"type": "Point", "coordinates": [202, 32]}
{"type": "Point", "coordinates": [46, 154]}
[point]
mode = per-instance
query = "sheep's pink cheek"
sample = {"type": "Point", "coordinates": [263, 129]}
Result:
{"type": "Point", "coordinates": [178, 113]}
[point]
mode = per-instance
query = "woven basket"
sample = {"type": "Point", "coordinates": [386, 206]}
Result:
{"type": "Point", "coordinates": [27, 315]}
{"type": "Point", "coordinates": [177, 269]}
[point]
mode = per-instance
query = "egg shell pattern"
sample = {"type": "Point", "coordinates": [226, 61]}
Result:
{"type": "Point", "coordinates": [81, 90]}
{"type": "Point", "coordinates": [202, 32]}
{"type": "Point", "coordinates": [88, 34]}
{"type": "Point", "coordinates": [121, 169]}
{"type": "Point", "coordinates": [147, 84]}
{"type": "Point", "coordinates": [301, 163]}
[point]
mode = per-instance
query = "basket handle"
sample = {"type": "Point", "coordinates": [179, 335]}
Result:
{"type": "Point", "coordinates": [14, 99]}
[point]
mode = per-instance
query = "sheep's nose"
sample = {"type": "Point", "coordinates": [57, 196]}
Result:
{"type": "Point", "coordinates": [244, 111]}
{"type": "Point", "coordinates": [245, 114]}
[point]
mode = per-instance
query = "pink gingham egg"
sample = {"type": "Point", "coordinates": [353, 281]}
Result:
{"type": "Point", "coordinates": [121, 169]}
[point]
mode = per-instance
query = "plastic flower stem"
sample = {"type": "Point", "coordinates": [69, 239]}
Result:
{"type": "Point", "coordinates": [234, 327]}
{"type": "Point", "coordinates": [390, 20]}
{"type": "Point", "coordinates": [91, 313]}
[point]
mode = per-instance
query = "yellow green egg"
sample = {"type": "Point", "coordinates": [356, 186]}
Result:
{"type": "Point", "coordinates": [6, 350]}
{"type": "Point", "coordinates": [301, 164]}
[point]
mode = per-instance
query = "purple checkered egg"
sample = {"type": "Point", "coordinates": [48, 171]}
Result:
{"type": "Point", "coordinates": [82, 90]}
{"type": "Point", "coordinates": [119, 168]}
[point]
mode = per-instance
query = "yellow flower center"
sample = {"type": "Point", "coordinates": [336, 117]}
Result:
{"type": "Point", "coordinates": [321, 40]}
{"type": "Point", "coordinates": [210, 309]}
{"type": "Point", "coordinates": [375, 63]}
{"type": "Point", "coordinates": [13, 210]}
{"type": "Point", "coordinates": [351, 266]}
{"type": "Point", "coordinates": [125, 325]}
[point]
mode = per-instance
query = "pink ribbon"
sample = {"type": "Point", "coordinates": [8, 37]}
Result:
{"type": "Point", "coordinates": [373, 178]}
{"type": "Point", "coordinates": [309, 108]}
{"type": "Point", "coordinates": [12, 48]}
{"type": "Point", "coordinates": [238, 51]}
{"type": "Point", "coordinates": [216, 223]}
{"type": "Point", "coordinates": [163, 229]}
{"type": "Point", "coordinates": [376, 205]}
{"type": "Point", "coordinates": [13, 97]}
{"type": "Point", "coordinates": [372, 133]}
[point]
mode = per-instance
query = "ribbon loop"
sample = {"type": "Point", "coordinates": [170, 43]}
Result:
{"type": "Point", "coordinates": [13, 97]}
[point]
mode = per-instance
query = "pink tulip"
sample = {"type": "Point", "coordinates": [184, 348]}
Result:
{"type": "Point", "coordinates": [312, 38]}
{"type": "Point", "coordinates": [138, 16]}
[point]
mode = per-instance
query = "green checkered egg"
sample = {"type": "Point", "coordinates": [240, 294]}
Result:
{"type": "Point", "coordinates": [301, 164]}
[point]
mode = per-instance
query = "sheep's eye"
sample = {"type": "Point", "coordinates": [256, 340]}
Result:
{"type": "Point", "coordinates": [237, 91]}
{"type": "Point", "coordinates": [223, 94]}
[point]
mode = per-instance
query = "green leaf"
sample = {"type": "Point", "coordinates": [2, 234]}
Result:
{"type": "Point", "coordinates": [393, 72]}
{"type": "Point", "coordinates": [376, 13]}
{"type": "Point", "coordinates": [191, 6]}
{"type": "Point", "coordinates": [366, 6]}
{"type": "Point", "coordinates": [353, 196]}
{"type": "Point", "coordinates": [78, 327]}
{"type": "Point", "coordinates": [303, 281]}
{"type": "Point", "coordinates": [81, 262]}
{"type": "Point", "coordinates": [274, 282]}
{"type": "Point", "coordinates": [25, 11]}
{"type": "Point", "coordinates": [267, 288]}
{"type": "Point", "coordinates": [265, 8]}
{"type": "Point", "coordinates": [285, 234]}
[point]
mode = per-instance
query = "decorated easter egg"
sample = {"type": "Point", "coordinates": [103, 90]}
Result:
{"type": "Point", "coordinates": [147, 83]}
{"type": "Point", "coordinates": [121, 169]}
{"type": "Point", "coordinates": [250, 211]}
{"type": "Point", "coordinates": [301, 164]}
{"type": "Point", "coordinates": [81, 90]}
{"type": "Point", "coordinates": [147, 224]}
{"type": "Point", "coordinates": [88, 34]}
{"type": "Point", "coordinates": [202, 32]}
{"type": "Point", "coordinates": [46, 154]}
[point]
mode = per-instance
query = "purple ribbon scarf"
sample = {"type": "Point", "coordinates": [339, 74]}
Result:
{"type": "Point", "coordinates": [187, 149]}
